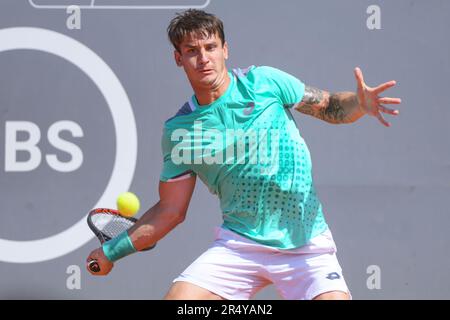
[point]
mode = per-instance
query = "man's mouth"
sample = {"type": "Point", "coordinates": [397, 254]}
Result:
{"type": "Point", "coordinates": [206, 71]}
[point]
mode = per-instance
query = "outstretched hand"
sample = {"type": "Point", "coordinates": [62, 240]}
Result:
{"type": "Point", "coordinates": [370, 101]}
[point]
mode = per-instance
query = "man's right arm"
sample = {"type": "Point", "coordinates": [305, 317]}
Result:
{"type": "Point", "coordinates": [155, 223]}
{"type": "Point", "coordinates": [165, 215]}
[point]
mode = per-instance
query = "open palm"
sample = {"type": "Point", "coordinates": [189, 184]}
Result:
{"type": "Point", "coordinates": [370, 101]}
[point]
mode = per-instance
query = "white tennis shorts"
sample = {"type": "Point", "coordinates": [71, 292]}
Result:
{"type": "Point", "coordinates": [235, 267]}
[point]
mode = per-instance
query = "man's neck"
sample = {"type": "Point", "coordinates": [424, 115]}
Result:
{"type": "Point", "coordinates": [206, 96]}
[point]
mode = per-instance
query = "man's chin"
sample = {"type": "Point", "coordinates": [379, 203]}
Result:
{"type": "Point", "coordinates": [207, 81]}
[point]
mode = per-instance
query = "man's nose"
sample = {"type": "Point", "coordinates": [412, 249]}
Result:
{"type": "Point", "coordinates": [203, 57]}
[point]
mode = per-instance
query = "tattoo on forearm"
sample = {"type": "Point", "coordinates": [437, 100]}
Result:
{"type": "Point", "coordinates": [313, 100]}
{"type": "Point", "coordinates": [312, 96]}
{"type": "Point", "coordinates": [342, 107]}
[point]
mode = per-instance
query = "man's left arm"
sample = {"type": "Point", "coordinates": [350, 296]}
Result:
{"type": "Point", "coordinates": [347, 107]}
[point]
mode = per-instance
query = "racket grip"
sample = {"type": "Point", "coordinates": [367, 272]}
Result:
{"type": "Point", "coordinates": [93, 266]}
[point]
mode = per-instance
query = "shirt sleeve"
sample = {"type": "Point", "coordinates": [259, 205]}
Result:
{"type": "Point", "coordinates": [288, 88]}
{"type": "Point", "coordinates": [170, 170]}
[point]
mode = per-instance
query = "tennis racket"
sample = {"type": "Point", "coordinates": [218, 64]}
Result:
{"type": "Point", "coordinates": [107, 224]}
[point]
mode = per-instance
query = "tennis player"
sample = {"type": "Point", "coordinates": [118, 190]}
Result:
{"type": "Point", "coordinates": [237, 134]}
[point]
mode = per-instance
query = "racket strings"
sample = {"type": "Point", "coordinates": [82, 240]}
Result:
{"type": "Point", "coordinates": [111, 225]}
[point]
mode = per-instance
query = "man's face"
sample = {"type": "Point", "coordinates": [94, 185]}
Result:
{"type": "Point", "coordinates": [203, 60]}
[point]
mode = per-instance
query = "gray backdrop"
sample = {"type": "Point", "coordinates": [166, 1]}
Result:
{"type": "Point", "coordinates": [383, 189]}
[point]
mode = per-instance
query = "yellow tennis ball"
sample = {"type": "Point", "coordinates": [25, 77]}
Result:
{"type": "Point", "coordinates": [128, 204]}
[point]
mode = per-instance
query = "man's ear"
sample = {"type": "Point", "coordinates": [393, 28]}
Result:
{"type": "Point", "coordinates": [177, 56]}
{"type": "Point", "coordinates": [225, 50]}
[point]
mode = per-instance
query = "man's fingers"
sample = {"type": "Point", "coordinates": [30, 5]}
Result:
{"type": "Point", "coordinates": [89, 269]}
{"type": "Point", "coordinates": [90, 258]}
{"type": "Point", "coordinates": [384, 122]}
{"type": "Point", "coordinates": [390, 100]}
{"type": "Point", "coordinates": [359, 78]}
{"type": "Point", "coordinates": [384, 86]}
{"type": "Point", "coordinates": [388, 110]}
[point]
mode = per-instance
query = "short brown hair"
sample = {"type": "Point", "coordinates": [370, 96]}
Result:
{"type": "Point", "coordinates": [194, 21]}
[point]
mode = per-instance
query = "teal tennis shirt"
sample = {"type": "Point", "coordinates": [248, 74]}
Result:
{"type": "Point", "coordinates": [247, 149]}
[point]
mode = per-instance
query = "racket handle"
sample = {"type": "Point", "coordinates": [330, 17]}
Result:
{"type": "Point", "coordinates": [93, 266]}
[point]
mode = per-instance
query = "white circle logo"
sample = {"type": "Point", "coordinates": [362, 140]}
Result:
{"type": "Point", "coordinates": [125, 129]}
